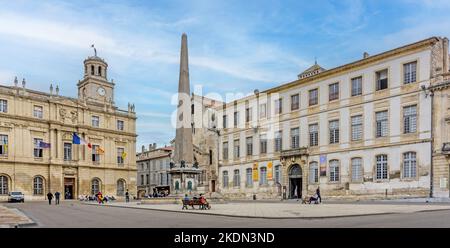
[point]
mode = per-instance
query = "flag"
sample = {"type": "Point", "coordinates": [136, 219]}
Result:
{"type": "Point", "coordinates": [124, 155]}
{"type": "Point", "coordinates": [80, 141]}
{"type": "Point", "coordinates": [99, 150]}
{"type": "Point", "coordinates": [42, 144]}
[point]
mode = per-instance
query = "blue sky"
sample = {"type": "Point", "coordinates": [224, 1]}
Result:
{"type": "Point", "coordinates": [234, 46]}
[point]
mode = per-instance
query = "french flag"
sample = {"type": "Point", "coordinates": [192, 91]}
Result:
{"type": "Point", "coordinates": [77, 140]}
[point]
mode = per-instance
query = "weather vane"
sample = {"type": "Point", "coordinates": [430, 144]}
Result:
{"type": "Point", "coordinates": [95, 50]}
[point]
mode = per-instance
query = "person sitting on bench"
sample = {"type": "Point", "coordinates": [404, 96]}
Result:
{"type": "Point", "coordinates": [314, 199]}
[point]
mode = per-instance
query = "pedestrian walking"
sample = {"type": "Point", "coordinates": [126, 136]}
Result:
{"type": "Point", "coordinates": [127, 196]}
{"type": "Point", "coordinates": [49, 197]}
{"type": "Point", "coordinates": [57, 195]}
{"type": "Point", "coordinates": [318, 194]}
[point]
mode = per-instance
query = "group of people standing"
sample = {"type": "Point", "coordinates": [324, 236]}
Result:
{"type": "Point", "coordinates": [98, 197]}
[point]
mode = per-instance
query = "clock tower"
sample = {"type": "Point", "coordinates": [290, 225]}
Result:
{"type": "Point", "coordinates": [95, 85]}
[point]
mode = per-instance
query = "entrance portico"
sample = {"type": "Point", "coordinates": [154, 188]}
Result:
{"type": "Point", "coordinates": [295, 177]}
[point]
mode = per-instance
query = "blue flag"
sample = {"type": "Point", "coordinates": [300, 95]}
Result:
{"type": "Point", "coordinates": [42, 144]}
{"type": "Point", "coordinates": [76, 139]}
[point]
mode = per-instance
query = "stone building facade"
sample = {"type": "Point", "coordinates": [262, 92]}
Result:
{"type": "Point", "coordinates": [153, 166]}
{"type": "Point", "coordinates": [37, 154]}
{"type": "Point", "coordinates": [377, 127]}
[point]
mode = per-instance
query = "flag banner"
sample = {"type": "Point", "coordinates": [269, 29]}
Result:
{"type": "Point", "coordinates": [76, 139]}
{"type": "Point", "coordinates": [42, 144]}
{"type": "Point", "coordinates": [124, 155]}
{"type": "Point", "coordinates": [255, 172]}
{"type": "Point", "coordinates": [99, 150]}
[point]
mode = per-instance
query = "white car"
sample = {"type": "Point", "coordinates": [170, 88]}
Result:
{"type": "Point", "coordinates": [16, 196]}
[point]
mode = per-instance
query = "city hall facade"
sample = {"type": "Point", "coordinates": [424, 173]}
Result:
{"type": "Point", "coordinates": [29, 118]}
{"type": "Point", "coordinates": [374, 128]}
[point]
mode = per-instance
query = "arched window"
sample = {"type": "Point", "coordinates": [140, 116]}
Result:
{"type": "Point", "coordinates": [236, 178]}
{"type": "Point", "coordinates": [177, 185]}
{"type": "Point", "coordinates": [263, 176]}
{"type": "Point", "coordinates": [313, 172]}
{"type": "Point", "coordinates": [3, 185]}
{"type": "Point", "coordinates": [189, 186]}
{"type": "Point", "coordinates": [225, 179]}
{"type": "Point", "coordinates": [334, 170]}
{"type": "Point", "coordinates": [120, 187]}
{"type": "Point", "coordinates": [92, 70]}
{"type": "Point", "coordinates": [100, 71]}
{"type": "Point", "coordinates": [409, 165]}
{"type": "Point", "coordinates": [95, 186]}
{"type": "Point", "coordinates": [38, 186]}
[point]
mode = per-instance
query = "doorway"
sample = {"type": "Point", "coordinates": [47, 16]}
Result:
{"type": "Point", "coordinates": [295, 182]}
{"type": "Point", "coordinates": [213, 185]}
{"type": "Point", "coordinates": [69, 188]}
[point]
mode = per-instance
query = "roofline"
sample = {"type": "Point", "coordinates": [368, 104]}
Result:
{"type": "Point", "coordinates": [357, 63]}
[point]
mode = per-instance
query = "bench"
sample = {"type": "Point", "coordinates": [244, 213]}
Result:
{"type": "Point", "coordinates": [195, 202]}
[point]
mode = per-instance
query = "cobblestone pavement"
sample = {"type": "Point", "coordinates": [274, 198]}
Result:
{"type": "Point", "coordinates": [10, 217]}
{"type": "Point", "coordinates": [283, 210]}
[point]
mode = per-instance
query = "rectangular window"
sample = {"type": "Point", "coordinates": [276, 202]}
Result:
{"type": "Point", "coordinates": [356, 86]}
{"type": "Point", "coordinates": [37, 148]}
{"type": "Point", "coordinates": [295, 138]}
{"type": "Point", "coordinates": [278, 174]}
{"type": "Point", "coordinates": [95, 154]}
{"type": "Point", "coordinates": [263, 176]}
{"type": "Point", "coordinates": [333, 91]}
{"type": "Point", "coordinates": [334, 171]}
{"type": "Point", "coordinates": [313, 97]}
{"type": "Point", "coordinates": [236, 149]}
{"type": "Point", "coordinates": [38, 112]}
{"type": "Point", "coordinates": [225, 179]}
{"type": "Point", "coordinates": [295, 102]}
{"type": "Point", "coordinates": [3, 145]}
{"type": "Point", "coordinates": [382, 123]}
{"type": "Point", "coordinates": [278, 106]}
{"type": "Point", "coordinates": [381, 169]}
{"type": "Point", "coordinates": [147, 179]}
{"type": "Point", "coordinates": [248, 114]}
{"type": "Point", "coordinates": [313, 135]}
{"type": "Point", "coordinates": [236, 119]}
{"type": "Point", "coordinates": [382, 79]}
{"type": "Point", "coordinates": [236, 179]}
{"type": "Point", "coordinates": [263, 110]}
{"type": "Point", "coordinates": [334, 131]}
{"type": "Point", "coordinates": [67, 151]}
{"type": "Point", "coordinates": [313, 172]}
{"type": "Point", "coordinates": [248, 177]}
{"type": "Point", "coordinates": [263, 144]}
{"type": "Point", "coordinates": [249, 143]}
{"type": "Point", "coordinates": [225, 150]}
{"type": "Point", "coordinates": [278, 141]}
{"type": "Point", "coordinates": [410, 119]}
{"type": "Point", "coordinates": [95, 121]}
{"type": "Point", "coordinates": [120, 125]}
{"type": "Point", "coordinates": [357, 128]}
{"type": "Point", "coordinates": [120, 155]}
{"type": "Point", "coordinates": [225, 121]}
{"type": "Point", "coordinates": [357, 169]}
{"type": "Point", "coordinates": [409, 165]}
{"type": "Point", "coordinates": [3, 106]}
{"type": "Point", "coordinates": [409, 72]}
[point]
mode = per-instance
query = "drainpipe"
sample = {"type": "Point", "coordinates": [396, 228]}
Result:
{"type": "Point", "coordinates": [432, 143]}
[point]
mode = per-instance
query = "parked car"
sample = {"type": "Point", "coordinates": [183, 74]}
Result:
{"type": "Point", "coordinates": [16, 196]}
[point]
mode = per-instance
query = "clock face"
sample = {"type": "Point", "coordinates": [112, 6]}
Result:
{"type": "Point", "coordinates": [101, 91]}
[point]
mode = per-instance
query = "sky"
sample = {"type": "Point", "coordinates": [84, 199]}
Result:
{"type": "Point", "coordinates": [235, 46]}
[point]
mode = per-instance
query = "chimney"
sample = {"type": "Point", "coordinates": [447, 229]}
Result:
{"type": "Point", "coordinates": [154, 145]}
{"type": "Point", "coordinates": [365, 55]}
{"type": "Point", "coordinates": [143, 148]}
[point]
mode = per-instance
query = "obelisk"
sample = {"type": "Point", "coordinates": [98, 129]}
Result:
{"type": "Point", "coordinates": [183, 138]}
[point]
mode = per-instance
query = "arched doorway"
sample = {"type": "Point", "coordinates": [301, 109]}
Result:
{"type": "Point", "coordinates": [295, 181]}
